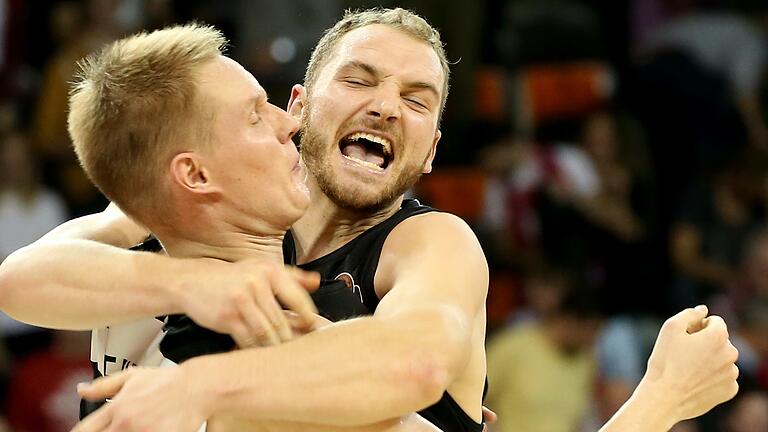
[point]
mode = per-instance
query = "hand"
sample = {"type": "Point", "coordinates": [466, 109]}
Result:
{"type": "Point", "coordinates": [246, 299]}
{"type": "Point", "coordinates": [301, 327]}
{"type": "Point", "coordinates": [144, 399]}
{"type": "Point", "coordinates": [489, 417]}
{"type": "Point", "coordinates": [692, 365]}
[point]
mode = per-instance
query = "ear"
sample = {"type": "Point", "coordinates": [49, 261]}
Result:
{"type": "Point", "coordinates": [296, 103]}
{"type": "Point", "coordinates": [428, 162]}
{"type": "Point", "coordinates": [189, 173]}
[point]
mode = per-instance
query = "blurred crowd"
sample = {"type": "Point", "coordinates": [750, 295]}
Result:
{"type": "Point", "coordinates": [612, 156]}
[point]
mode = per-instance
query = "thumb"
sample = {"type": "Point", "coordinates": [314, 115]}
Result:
{"type": "Point", "coordinates": [691, 319]}
{"type": "Point", "coordinates": [102, 388]}
{"type": "Point", "coordinates": [310, 281]}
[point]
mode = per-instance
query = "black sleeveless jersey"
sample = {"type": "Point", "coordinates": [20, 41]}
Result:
{"type": "Point", "coordinates": [185, 339]}
{"type": "Point", "coordinates": [355, 263]}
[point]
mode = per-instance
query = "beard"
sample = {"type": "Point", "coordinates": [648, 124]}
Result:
{"type": "Point", "coordinates": [317, 156]}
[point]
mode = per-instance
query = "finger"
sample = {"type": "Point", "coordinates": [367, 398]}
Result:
{"type": "Point", "coordinates": [489, 416]}
{"type": "Point", "coordinates": [715, 325]}
{"type": "Point", "coordinates": [690, 317]}
{"type": "Point", "coordinates": [274, 313]}
{"type": "Point", "coordinates": [257, 325]}
{"type": "Point", "coordinates": [241, 335]}
{"type": "Point", "coordinates": [297, 322]}
{"type": "Point", "coordinates": [292, 296]}
{"type": "Point", "coordinates": [697, 326]}
{"type": "Point", "coordinates": [310, 281]}
{"type": "Point", "coordinates": [99, 420]}
{"type": "Point", "coordinates": [104, 387]}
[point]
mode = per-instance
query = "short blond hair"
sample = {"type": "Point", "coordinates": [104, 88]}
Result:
{"type": "Point", "coordinates": [131, 106]}
{"type": "Point", "coordinates": [398, 19]}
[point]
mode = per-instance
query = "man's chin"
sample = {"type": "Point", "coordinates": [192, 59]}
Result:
{"type": "Point", "coordinates": [358, 200]}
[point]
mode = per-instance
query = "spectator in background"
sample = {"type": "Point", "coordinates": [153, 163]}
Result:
{"type": "Point", "coordinates": [523, 171]}
{"type": "Point", "coordinates": [751, 339]}
{"type": "Point", "coordinates": [573, 204]}
{"type": "Point", "coordinates": [723, 45]}
{"type": "Point", "coordinates": [696, 90]}
{"type": "Point", "coordinates": [711, 231]}
{"type": "Point", "coordinates": [27, 211]}
{"type": "Point", "coordinates": [543, 291]}
{"type": "Point", "coordinates": [78, 30]}
{"type": "Point", "coordinates": [752, 280]}
{"type": "Point", "coordinates": [540, 372]}
{"type": "Point", "coordinates": [42, 395]}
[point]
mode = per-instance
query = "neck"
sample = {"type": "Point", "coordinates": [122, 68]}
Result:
{"type": "Point", "coordinates": [232, 248]}
{"type": "Point", "coordinates": [326, 227]}
{"type": "Point", "coordinates": [211, 236]}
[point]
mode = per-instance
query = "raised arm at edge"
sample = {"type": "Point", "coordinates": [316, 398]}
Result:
{"type": "Point", "coordinates": [647, 410]}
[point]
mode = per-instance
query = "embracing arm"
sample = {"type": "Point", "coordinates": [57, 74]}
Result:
{"type": "Point", "coordinates": [69, 280]}
{"type": "Point", "coordinates": [356, 372]}
{"type": "Point", "coordinates": [73, 278]}
{"type": "Point", "coordinates": [82, 284]}
{"type": "Point", "coordinates": [365, 370]}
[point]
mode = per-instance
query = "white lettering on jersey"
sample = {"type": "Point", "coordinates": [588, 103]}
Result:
{"type": "Point", "coordinates": [118, 347]}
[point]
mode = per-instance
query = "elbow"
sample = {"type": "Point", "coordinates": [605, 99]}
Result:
{"type": "Point", "coordinates": [6, 282]}
{"type": "Point", "coordinates": [426, 376]}
{"type": "Point", "coordinates": [431, 366]}
{"type": "Point", "coordinates": [10, 284]}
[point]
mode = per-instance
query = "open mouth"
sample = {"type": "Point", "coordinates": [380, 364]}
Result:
{"type": "Point", "coordinates": [366, 149]}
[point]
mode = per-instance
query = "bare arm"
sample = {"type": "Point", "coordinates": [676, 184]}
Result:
{"type": "Point", "coordinates": [687, 375]}
{"type": "Point", "coordinates": [357, 372]}
{"type": "Point", "coordinates": [81, 284]}
{"type": "Point", "coordinates": [69, 280]}
{"type": "Point", "coordinates": [73, 279]}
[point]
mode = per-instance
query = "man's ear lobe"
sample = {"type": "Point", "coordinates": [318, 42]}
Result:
{"type": "Point", "coordinates": [432, 152]}
{"type": "Point", "coordinates": [296, 102]}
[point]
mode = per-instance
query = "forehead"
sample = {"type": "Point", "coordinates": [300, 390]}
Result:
{"type": "Point", "coordinates": [225, 82]}
{"type": "Point", "coordinates": [390, 50]}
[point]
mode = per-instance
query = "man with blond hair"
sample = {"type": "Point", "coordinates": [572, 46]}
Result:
{"type": "Point", "coordinates": [374, 94]}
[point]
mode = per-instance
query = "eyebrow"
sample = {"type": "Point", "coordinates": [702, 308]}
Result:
{"type": "Point", "coordinates": [260, 97]}
{"type": "Point", "coordinates": [372, 70]}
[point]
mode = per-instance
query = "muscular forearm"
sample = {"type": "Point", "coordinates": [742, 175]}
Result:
{"type": "Point", "coordinates": [358, 372]}
{"type": "Point", "coordinates": [649, 409]}
{"type": "Point", "coordinates": [80, 284]}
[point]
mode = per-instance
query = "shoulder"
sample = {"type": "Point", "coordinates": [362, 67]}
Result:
{"type": "Point", "coordinates": [432, 228]}
{"type": "Point", "coordinates": [435, 235]}
{"type": "Point", "coordinates": [433, 245]}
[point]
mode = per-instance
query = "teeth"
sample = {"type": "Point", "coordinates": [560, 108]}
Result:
{"type": "Point", "coordinates": [385, 144]}
{"type": "Point", "coordinates": [364, 163]}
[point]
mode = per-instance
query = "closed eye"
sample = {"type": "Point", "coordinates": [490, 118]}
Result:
{"type": "Point", "coordinates": [417, 102]}
{"type": "Point", "coordinates": [356, 82]}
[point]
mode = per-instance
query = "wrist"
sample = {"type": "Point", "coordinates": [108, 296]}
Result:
{"type": "Point", "coordinates": [656, 403]}
{"type": "Point", "coordinates": [169, 278]}
{"type": "Point", "coordinates": [210, 390]}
